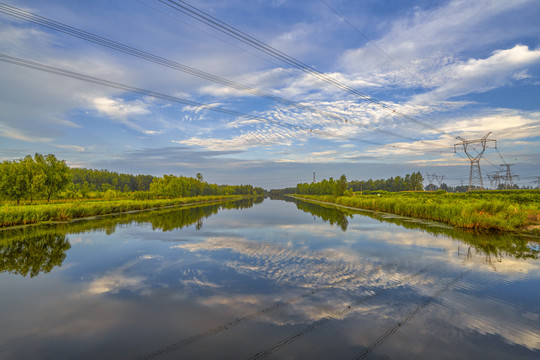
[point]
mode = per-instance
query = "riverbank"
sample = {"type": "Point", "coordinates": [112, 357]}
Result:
{"type": "Point", "coordinates": [514, 211]}
{"type": "Point", "coordinates": [12, 215]}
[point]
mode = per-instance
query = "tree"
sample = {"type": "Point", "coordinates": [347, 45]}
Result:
{"type": "Point", "coordinates": [35, 176]}
{"type": "Point", "coordinates": [13, 180]}
{"type": "Point", "coordinates": [341, 186]}
{"type": "Point", "coordinates": [57, 175]}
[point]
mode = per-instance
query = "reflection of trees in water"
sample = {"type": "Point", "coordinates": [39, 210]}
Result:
{"type": "Point", "coordinates": [177, 218]}
{"type": "Point", "coordinates": [492, 244]}
{"type": "Point", "coordinates": [34, 249]}
{"type": "Point", "coordinates": [34, 252]}
{"type": "Point", "coordinates": [329, 214]}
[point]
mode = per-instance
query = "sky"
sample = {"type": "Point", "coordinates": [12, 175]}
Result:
{"type": "Point", "coordinates": [384, 88]}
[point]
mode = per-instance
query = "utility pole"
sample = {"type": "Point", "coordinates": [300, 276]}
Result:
{"type": "Point", "coordinates": [508, 177]}
{"type": "Point", "coordinates": [314, 177]}
{"type": "Point", "coordinates": [474, 150]}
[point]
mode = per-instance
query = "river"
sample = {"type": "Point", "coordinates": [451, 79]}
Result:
{"type": "Point", "coordinates": [269, 279]}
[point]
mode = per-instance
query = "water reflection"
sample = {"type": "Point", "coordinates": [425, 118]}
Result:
{"type": "Point", "coordinates": [328, 214]}
{"type": "Point", "coordinates": [33, 250]}
{"type": "Point", "coordinates": [271, 282]}
{"type": "Point", "coordinates": [494, 245]}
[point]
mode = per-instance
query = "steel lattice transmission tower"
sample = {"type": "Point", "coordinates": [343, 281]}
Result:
{"type": "Point", "coordinates": [440, 179]}
{"type": "Point", "coordinates": [430, 178]}
{"type": "Point", "coordinates": [537, 182]}
{"type": "Point", "coordinates": [508, 177]}
{"type": "Point", "coordinates": [495, 179]}
{"type": "Point", "coordinates": [474, 150]}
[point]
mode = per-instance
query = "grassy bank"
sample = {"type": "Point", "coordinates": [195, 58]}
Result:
{"type": "Point", "coordinates": [11, 215]}
{"type": "Point", "coordinates": [484, 210]}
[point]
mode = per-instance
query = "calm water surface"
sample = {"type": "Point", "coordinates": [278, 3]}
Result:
{"type": "Point", "coordinates": [266, 279]}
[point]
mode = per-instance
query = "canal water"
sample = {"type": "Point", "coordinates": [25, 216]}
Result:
{"type": "Point", "coordinates": [275, 279]}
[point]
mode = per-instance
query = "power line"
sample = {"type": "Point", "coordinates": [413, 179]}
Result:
{"type": "Point", "coordinates": [230, 30]}
{"type": "Point", "coordinates": [369, 40]}
{"type": "Point", "coordinates": [175, 99]}
{"type": "Point", "coordinates": [111, 44]}
{"type": "Point", "coordinates": [205, 32]}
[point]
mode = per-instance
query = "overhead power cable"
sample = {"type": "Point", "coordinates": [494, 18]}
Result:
{"type": "Point", "coordinates": [230, 30]}
{"type": "Point", "coordinates": [111, 44]}
{"type": "Point", "coordinates": [343, 18]}
{"type": "Point", "coordinates": [175, 99]}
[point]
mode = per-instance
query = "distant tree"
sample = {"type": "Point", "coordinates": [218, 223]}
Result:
{"type": "Point", "coordinates": [341, 186]}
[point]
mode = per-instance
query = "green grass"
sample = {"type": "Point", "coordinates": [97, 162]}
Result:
{"type": "Point", "coordinates": [483, 210]}
{"type": "Point", "coordinates": [11, 215]}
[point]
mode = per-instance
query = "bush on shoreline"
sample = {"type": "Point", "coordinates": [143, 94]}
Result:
{"type": "Point", "coordinates": [506, 211]}
{"type": "Point", "coordinates": [11, 215]}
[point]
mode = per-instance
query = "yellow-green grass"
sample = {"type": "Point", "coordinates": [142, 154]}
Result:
{"type": "Point", "coordinates": [484, 210]}
{"type": "Point", "coordinates": [11, 215]}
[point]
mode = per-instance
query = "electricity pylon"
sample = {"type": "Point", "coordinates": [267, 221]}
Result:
{"type": "Point", "coordinates": [430, 178]}
{"type": "Point", "coordinates": [495, 179]}
{"type": "Point", "coordinates": [537, 182]}
{"type": "Point", "coordinates": [508, 177]}
{"type": "Point", "coordinates": [439, 179]}
{"type": "Point", "coordinates": [474, 150]}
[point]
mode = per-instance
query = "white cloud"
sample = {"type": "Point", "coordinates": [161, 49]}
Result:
{"type": "Point", "coordinates": [127, 113]}
{"type": "Point", "coordinates": [119, 109]}
{"type": "Point", "coordinates": [424, 41]}
{"type": "Point", "coordinates": [263, 137]}
{"type": "Point", "coordinates": [480, 75]}
{"type": "Point", "coordinates": [504, 123]}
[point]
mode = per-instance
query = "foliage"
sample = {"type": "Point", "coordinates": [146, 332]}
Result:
{"type": "Point", "coordinates": [411, 182]}
{"type": "Point", "coordinates": [488, 210]}
{"type": "Point", "coordinates": [30, 250]}
{"type": "Point", "coordinates": [30, 178]}
{"type": "Point", "coordinates": [281, 192]}
{"type": "Point", "coordinates": [46, 178]}
{"type": "Point", "coordinates": [324, 187]}
{"type": "Point", "coordinates": [29, 214]}
{"type": "Point", "coordinates": [338, 188]}
{"type": "Point", "coordinates": [170, 186]}
{"type": "Point", "coordinates": [492, 244]}
{"type": "Point", "coordinates": [96, 180]}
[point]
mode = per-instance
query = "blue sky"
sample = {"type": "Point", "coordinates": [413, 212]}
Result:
{"type": "Point", "coordinates": [453, 68]}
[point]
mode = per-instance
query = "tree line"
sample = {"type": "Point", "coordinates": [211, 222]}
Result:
{"type": "Point", "coordinates": [45, 177]}
{"type": "Point", "coordinates": [181, 186]}
{"type": "Point", "coordinates": [103, 180]}
{"type": "Point", "coordinates": [324, 187]}
{"type": "Point", "coordinates": [411, 182]}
